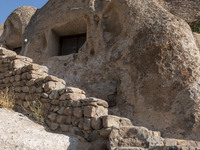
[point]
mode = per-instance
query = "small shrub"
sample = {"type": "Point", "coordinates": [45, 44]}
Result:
{"type": "Point", "coordinates": [7, 100]}
{"type": "Point", "coordinates": [196, 27]}
{"type": "Point", "coordinates": [34, 109]}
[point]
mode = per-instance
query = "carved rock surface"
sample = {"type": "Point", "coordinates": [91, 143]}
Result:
{"type": "Point", "coordinates": [139, 55]}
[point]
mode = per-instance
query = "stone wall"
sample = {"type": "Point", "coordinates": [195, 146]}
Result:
{"type": "Point", "coordinates": [67, 109]}
{"type": "Point", "coordinates": [64, 108]}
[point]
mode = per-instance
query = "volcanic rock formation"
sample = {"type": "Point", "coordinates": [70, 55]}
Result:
{"type": "Point", "coordinates": [141, 56]}
{"type": "Point", "coordinates": [138, 55]}
{"type": "Point", "coordinates": [15, 25]}
{"type": "Point", "coordinates": [188, 10]}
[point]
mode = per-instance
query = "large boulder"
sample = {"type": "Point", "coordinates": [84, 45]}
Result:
{"type": "Point", "coordinates": [15, 25]}
{"type": "Point", "coordinates": [137, 55]}
{"type": "Point", "coordinates": [188, 10]}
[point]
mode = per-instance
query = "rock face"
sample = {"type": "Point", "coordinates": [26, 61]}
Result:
{"type": "Point", "coordinates": [15, 25]}
{"type": "Point", "coordinates": [197, 39]}
{"type": "Point", "coordinates": [18, 132]}
{"type": "Point", "coordinates": [1, 29]}
{"type": "Point", "coordinates": [137, 55]}
{"type": "Point", "coordinates": [188, 10]}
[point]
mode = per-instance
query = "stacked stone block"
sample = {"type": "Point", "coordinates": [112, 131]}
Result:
{"type": "Point", "coordinates": [65, 109]}
{"type": "Point", "coordinates": [140, 138]}
{"type": "Point", "coordinates": [73, 112]}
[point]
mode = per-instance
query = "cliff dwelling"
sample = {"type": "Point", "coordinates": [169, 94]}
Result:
{"type": "Point", "coordinates": [138, 58]}
{"type": "Point", "coordinates": [71, 44]}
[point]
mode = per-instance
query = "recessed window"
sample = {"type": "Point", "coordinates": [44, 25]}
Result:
{"type": "Point", "coordinates": [17, 50]}
{"type": "Point", "coordinates": [71, 44]}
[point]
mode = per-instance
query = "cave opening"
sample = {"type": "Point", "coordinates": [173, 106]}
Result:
{"type": "Point", "coordinates": [17, 50]}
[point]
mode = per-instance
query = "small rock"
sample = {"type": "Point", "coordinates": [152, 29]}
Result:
{"type": "Point", "coordinates": [64, 128]}
{"type": "Point", "coordinates": [61, 119]}
{"type": "Point", "coordinates": [74, 90]}
{"type": "Point", "coordinates": [87, 124]}
{"type": "Point", "coordinates": [49, 86]}
{"type": "Point", "coordinates": [96, 123]}
{"type": "Point", "coordinates": [89, 111]}
{"type": "Point", "coordinates": [68, 111]}
{"type": "Point", "coordinates": [77, 112]}
{"type": "Point", "coordinates": [25, 89]}
{"type": "Point", "coordinates": [52, 117]}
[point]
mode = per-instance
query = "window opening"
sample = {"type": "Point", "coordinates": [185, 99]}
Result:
{"type": "Point", "coordinates": [71, 44]}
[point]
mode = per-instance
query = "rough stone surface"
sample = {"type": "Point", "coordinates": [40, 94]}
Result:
{"type": "Point", "coordinates": [110, 121]}
{"type": "Point", "coordinates": [188, 10]}
{"type": "Point", "coordinates": [139, 55]}
{"type": "Point", "coordinates": [72, 96]}
{"type": "Point", "coordinates": [89, 111]}
{"type": "Point", "coordinates": [96, 123]}
{"type": "Point", "coordinates": [15, 25]}
{"type": "Point", "coordinates": [129, 137]}
{"type": "Point", "coordinates": [4, 51]}
{"type": "Point", "coordinates": [18, 132]}
{"type": "Point", "coordinates": [1, 29]}
{"type": "Point", "coordinates": [78, 112]}
{"type": "Point", "coordinates": [197, 39]}
{"type": "Point", "coordinates": [74, 90]}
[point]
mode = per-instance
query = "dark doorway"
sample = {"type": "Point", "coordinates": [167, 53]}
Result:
{"type": "Point", "coordinates": [71, 44]}
{"type": "Point", "coordinates": [17, 50]}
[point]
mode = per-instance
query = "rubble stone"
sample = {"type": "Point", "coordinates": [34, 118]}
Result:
{"type": "Point", "coordinates": [89, 111]}
{"type": "Point", "coordinates": [52, 117]}
{"type": "Point", "coordinates": [77, 112]}
{"type": "Point", "coordinates": [96, 123]}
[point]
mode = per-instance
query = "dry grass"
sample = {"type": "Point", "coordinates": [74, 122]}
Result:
{"type": "Point", "coordinates": [7, 100]}
{"type": "Point", "coordinates": [34, 110]}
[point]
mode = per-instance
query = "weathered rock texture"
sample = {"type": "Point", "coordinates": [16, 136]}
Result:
{"type": "Point", "coordinates": [197, 39]}
{"type": "Point", "coordinates": [188, 10]}
{"type": "Point", "coordinates": [67, 109]}
{"type": "Point", "coordinates": [137, 56]}
{"type": "Point", "coordinates": [137, 138]}
{"type": "Point", "coordinates": [1, 29]}
{"type": "Point", "coordinates": [15, 25]}
{"type": "Point", "coordinates": [17, 132]}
